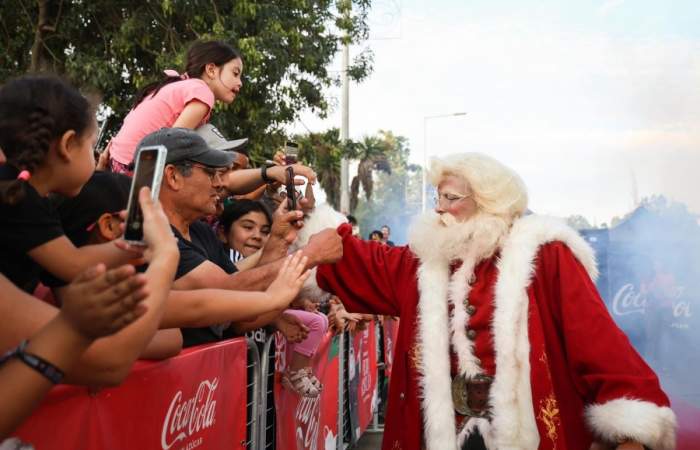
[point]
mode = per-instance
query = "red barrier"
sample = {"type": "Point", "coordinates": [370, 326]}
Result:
{"type": "Point", "coordinates": [365, 351]}
{"type": "Point", "coordinates": [194, 400]}
{"type": "Point", "coordinates": [308, 423]}
{"type": "Point", "coordinates": [391, 333]}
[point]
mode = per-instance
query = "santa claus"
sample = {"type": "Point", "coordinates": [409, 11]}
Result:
{"type": "Point", "coordinates": [504, 341]}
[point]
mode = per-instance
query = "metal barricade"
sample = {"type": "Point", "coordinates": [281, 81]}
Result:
{"type": "Point", "coordinates": [253, 396]}
{"type": "Point", "coordinates": [266, 429]}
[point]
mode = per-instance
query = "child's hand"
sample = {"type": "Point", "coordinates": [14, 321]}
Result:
{"type": "Point", "coordinates": [292, 328]}
{"type": "Point", "coordinates": [101, 302]}
{"type": "Point", "coordinates": [289, 280]}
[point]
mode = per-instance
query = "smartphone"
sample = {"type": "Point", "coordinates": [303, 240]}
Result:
{"type": "Point", "coordinates": [150, 162]}
{"type": "Point", "coordinates": [291, 152]}
{"type": "Point", "coordinates": [291, 190]}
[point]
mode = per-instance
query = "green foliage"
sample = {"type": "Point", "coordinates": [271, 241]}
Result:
{"type": "Point", "coordinates": [118, 46]}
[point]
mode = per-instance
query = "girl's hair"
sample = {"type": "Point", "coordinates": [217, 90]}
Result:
{"type": "Point", "coordinates": [34, 112]}
{"type": "Point", "coordinates": [239, 208]}
{"type": "Point", "coordinates": [375, 233]}
{"type": "Point", "coordinates": [198, 56]}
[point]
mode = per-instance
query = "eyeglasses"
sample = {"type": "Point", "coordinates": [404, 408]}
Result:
{"type": "Point", "coordinates": [211, 172]}
{"type": "Point", "coordinates": [447, 199]}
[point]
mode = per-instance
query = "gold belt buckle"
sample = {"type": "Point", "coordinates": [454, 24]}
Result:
{"type": "Point", "coordinates": [470, 396]}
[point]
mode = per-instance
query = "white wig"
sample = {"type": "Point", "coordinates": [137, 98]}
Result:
{"type": "Point", "coordinates": [497, 189]}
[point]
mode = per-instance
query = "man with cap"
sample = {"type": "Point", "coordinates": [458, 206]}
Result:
{"type": "Point", "coordinates": [193, 174]}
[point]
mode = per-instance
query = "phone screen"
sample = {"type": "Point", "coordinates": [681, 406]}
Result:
{"type": "Point", "coordinates": [143, 176]}
{"type": "Point", "coordinates": [291, 152]}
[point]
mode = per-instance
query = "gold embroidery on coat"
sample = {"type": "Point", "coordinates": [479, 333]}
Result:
{"type": "Point", "coordinates": [549, 415]}
{"type": "Point", "coordinates": [396, 446]}
{"type": "Point", "coordinates": [415, 357]}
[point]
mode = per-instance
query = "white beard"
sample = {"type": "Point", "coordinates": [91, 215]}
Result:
{"type": "Point", "coordinates": [441, 237]}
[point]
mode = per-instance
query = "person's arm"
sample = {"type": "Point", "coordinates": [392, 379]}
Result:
{"type": "Point", "coordinates": [249, 261]}
{"type": "Point", "coordinates": [370, 276]}
{"type": "Point", "coordinates": [165, 344]}
{"type": "Point", "coordinates": [323, 247]}
{"type": "Point", "coordinates": [65, 261]}
{"type": "Point", "coordinates": [621, 389]}
{"type": "Point", "coordinates": [101, 303]}
{"type": "Point", "coordinates": [248, 180]}
{"type": "Point", "coordinates": [192, 115]}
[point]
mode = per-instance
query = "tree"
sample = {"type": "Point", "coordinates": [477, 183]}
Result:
{"type": "Point", "coordinates": [117, 46]}
{"type": "Point", "coordinates": [323, 152]}
{"type": "Point", "coordinates": [396, 194]}
{"type": "Point", "coordinates": [373, 153]}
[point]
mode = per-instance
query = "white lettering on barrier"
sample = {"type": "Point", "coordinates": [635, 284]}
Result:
{"type": "Point", "coordinates": [307, 414]}
{"type": "Point", "coordinates": [185, 418]}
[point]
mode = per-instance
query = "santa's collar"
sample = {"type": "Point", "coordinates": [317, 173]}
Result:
{"type": "Point", "coordinates": [513, 425]}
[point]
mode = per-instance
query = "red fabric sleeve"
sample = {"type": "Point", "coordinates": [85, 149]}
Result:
{"type": "Point", "coordinates": [371, 278]}
{"type": "Point", "coordinates": [602, 361]}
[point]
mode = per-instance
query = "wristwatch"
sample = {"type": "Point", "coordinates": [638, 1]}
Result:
{"type": "Point", "coordinates": [263, 174]}
{"type": "Point", "coordinates": [53, 373]}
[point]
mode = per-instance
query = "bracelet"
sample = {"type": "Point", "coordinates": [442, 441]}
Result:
{"type": "Point", "coordinates": [53, 373]}
{"type": "Point", "coordinates": [263, 174]}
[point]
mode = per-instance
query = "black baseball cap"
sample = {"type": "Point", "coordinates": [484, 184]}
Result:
{"type": "Point", "coordinates": [105, 192]}
{"type": "Point", "coordinates": [184, 144]}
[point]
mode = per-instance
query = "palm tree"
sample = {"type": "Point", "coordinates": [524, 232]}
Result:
{"type": "Point", "coordinates": [373, 153]}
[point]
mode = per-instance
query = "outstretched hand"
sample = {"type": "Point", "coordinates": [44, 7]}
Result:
{"type": "Point", "coordinates": [289, 281]}
{"type": "Point", "coordinates": [100, 302]}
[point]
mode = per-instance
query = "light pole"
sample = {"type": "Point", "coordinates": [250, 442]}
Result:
{"type": "Point", "coordinates": [425, 150]}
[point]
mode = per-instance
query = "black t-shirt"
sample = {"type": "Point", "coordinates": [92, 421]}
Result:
{"type": "Point", "coordinates": [204, 246]}
{"type": "Point", "coordinates": [23, 227]}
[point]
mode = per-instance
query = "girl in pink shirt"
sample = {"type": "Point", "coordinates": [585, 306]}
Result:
{"type": "Point", "coordinates": [212, 73]}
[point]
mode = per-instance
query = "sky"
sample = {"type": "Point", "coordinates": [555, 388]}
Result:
{"type": "Point", "coordinates": [595, 103]}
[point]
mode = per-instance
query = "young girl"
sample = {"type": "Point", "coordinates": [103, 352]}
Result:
{"type": "Point", "coordinates": [47, 131]}
{"type": "Point", "coordinates": [246, 226]}
{"type": "Point", "coordinates": [212, 73]}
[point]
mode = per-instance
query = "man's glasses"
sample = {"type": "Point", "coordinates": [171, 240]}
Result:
{"type": "Point", "coordinates": [447, 199]}
{"type": "Point", "coordinates": [211, 172]}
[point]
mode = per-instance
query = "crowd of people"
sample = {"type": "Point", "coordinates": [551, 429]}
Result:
{"type": "Point", "coordinates": [81, 303]}
{"type": "Point", "coordinates": [505, 342]}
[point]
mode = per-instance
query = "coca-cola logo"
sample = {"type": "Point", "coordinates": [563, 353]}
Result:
{"type": "Point", "coordinates": [628, 301]}
{"type": "Point", "coordinates": [308, 421]}
{"type": "Point", "coordinates": [186, 417]}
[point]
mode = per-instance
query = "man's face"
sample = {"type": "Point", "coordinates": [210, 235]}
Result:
{"type": "Point", "coordinates": [385, 233]}
{"type": "Point", "coordinates": [454, 197]}
{"type": "Point", "coordinates": [201, 189]}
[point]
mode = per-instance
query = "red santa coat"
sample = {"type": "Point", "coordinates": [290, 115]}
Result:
{"type": "Point", "coordinates": [564, 372]}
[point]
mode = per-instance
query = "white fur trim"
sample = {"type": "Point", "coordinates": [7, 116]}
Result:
{"type": "Point", "coordinates": [513, 426]}
{"type": "Point", "coordinates": [458, 291]}
{"type": "Point", "coordinates": [483, 426]}
{"type": "Point", "coordinates": [434, 367]}
{"type": "Point", "coordinates": [638, 420]}
{"type": "Point", "coordinates": [322, 217]}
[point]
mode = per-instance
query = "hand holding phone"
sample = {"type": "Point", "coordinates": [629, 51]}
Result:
{"type": "Point", "coordinates": [150, 162]}
{"type": "Point", "coordinates": [291, 190]}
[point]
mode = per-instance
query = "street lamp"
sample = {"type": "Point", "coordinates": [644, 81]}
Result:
{"type": "Point", "coordinates": [425, 150]}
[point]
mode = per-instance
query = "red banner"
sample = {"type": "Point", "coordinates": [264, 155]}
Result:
{"type": "Point", "coordinates": [391, 333]}
{"type": "Point", "coordinates": [308, 423]}
{"type": "Point", "coordinates": [364, 386]}
{"type": "Point", "coordinates": [194, 400]}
